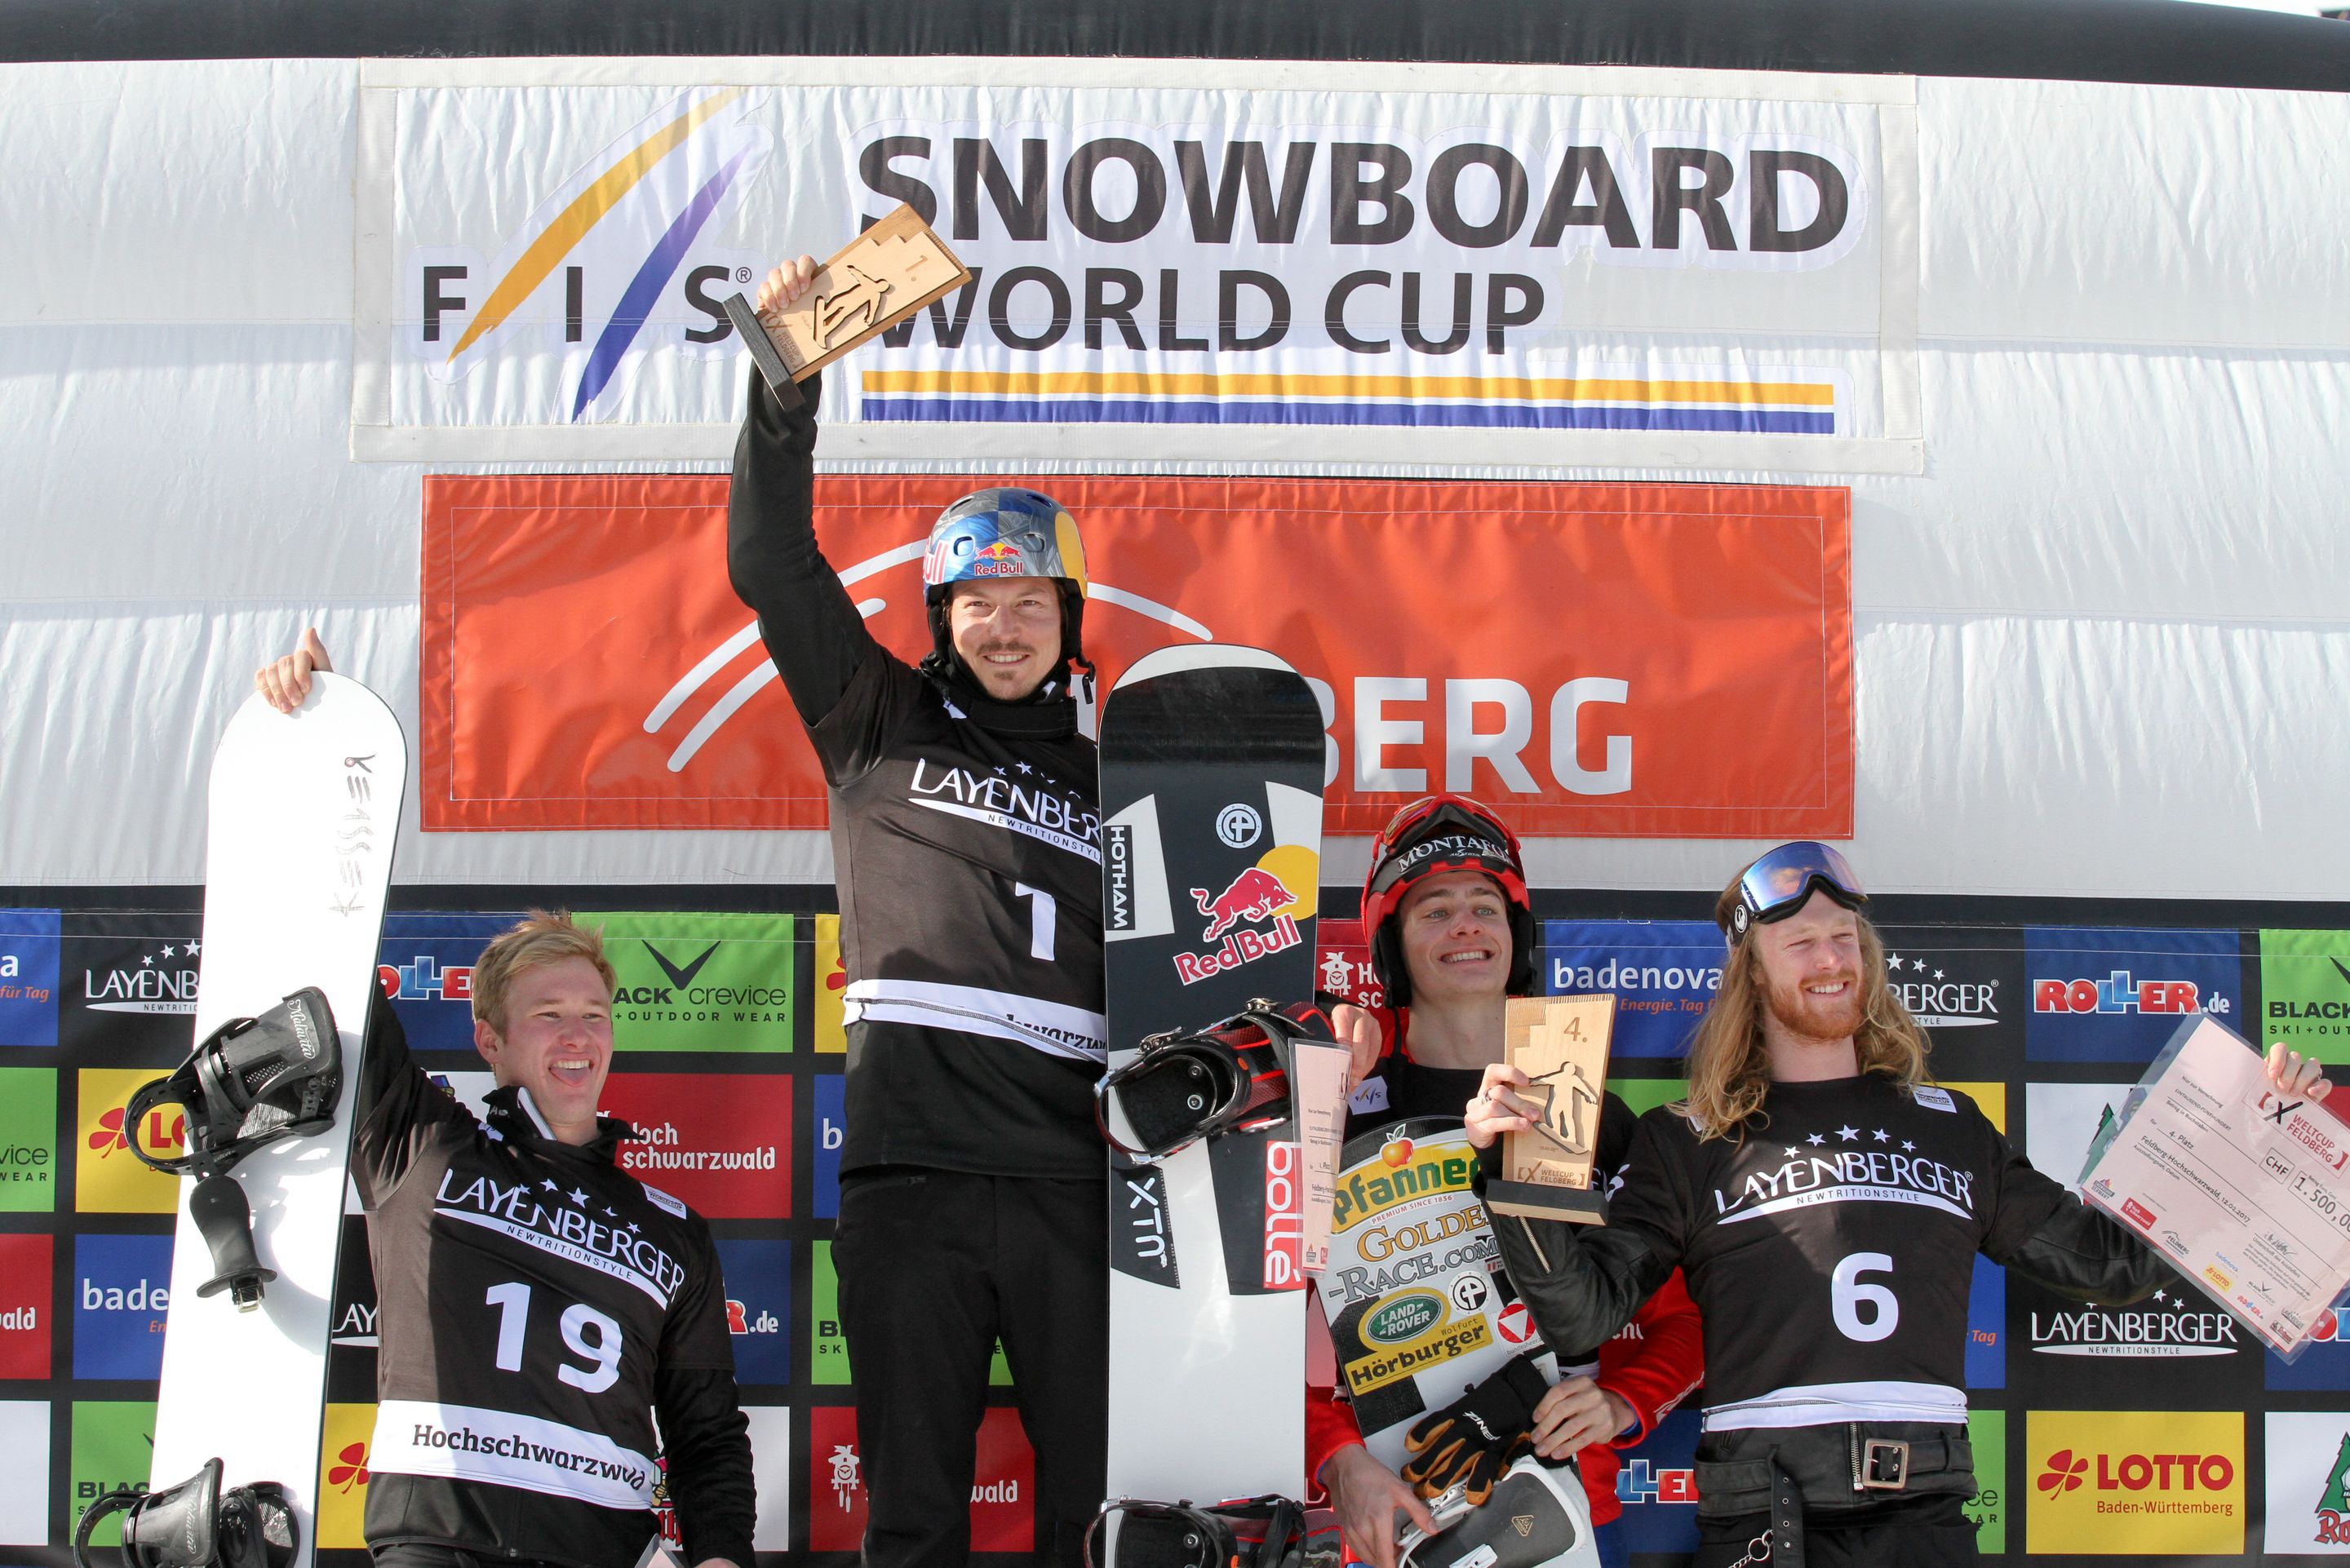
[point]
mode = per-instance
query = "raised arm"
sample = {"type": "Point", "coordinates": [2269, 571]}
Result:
{"type": "Point", "coordinates": [811, 625]}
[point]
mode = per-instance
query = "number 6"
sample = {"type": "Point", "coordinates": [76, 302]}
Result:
{"type": "Point", "coordinates": [1847, 1295]}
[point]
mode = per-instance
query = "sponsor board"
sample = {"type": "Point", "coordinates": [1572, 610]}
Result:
{"type": "Point", "coordinates": [1991, 1099]}
{"type": "Point", "coordinates": [1645, 1094]}
{"type": "Point", "coordinates": [2152, 1483]}
{"type": "Point", "coordinates": [107, 1178]}
{"type": "Point", "coordinates": [1964, 985]}
{"type": "Point", "coordinates": [711, 982]}
{"type": "Point", "coordinates": [128, 985]}
{"type": "Point", "coordinates": [1987, 1435]}
{"type": "Point", "coordinates": [1662, 973]}
{"type": "Point", "coordinates": [343, 1441]}
{"type": "Point", "coordinates": [828, 1344]}
{"type": "Point", "coordinates": [829, 1091]}
{"type": "Point", "coordinates": [2323, 1364]}
{"type": "Point", "coordinates": [720, 1142]}
{"type": "Point", "coordinates": [28, 1140]}
{"type": "Point", "coordinates": [121, 1293]}
{"type": "Point", "coordinates": [351, 1329]}
{"type": "Point", "coordinates": [1342, 963]}
{"type": "Point", "coordinates": [2114, 994]}
{"type": "Point", "coordinates": [26, 1298]}
{"type": "Point", "coordinates": [770, 1470]}
{"type": "Point", "coordinates": [2305, 993]}
{"type": "Point", "coordinates": [1987, 1326]}
{"type": "Point", "coordinates": [2307, 1484]}
{"type": "Point", "coordinates": [1656, 1484]}
{"type": "Point", "coordinates": [829, 989]}
{"type": "Point", "coordinates": [1613, 724]}
{"type": "Point", "coordinates": [2060, 1121]}
{"type": "Point", "coordinates": [112, 1448]}
{"type": "Point", "coordinates": [2175, 1324]}
{"type": "Point", "coordinates": [1002, 1485]}
{"type": "Point", "coordinates": [29, 943]}
{"type": "Point", "coordinates": [758, 1281]}
{"type": "Point", "coordinates": [425, 964]}
{"type": "Point", "coordinates": [1379, 254]}
{"type": "Point", "coordinates": [25, 1479]}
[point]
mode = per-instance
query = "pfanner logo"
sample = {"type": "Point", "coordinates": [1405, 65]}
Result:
{"type": "Point", "coordinates": [607, 266]}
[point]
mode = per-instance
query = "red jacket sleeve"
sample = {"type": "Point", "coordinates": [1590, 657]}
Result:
{"type": "Point", "coordinates": [1655, 1370]}
{"type": "Point", "coordinates": [1329, 1425]}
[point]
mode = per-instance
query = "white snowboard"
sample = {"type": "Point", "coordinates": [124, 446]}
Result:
{"type": "Point", "coordinates": [304, 809]}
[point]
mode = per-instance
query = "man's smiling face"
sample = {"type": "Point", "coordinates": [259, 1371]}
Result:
{"type": "Point", "coordinates": [1454, 928]}
{"type": "Point", "coordinates": [556, 1043]}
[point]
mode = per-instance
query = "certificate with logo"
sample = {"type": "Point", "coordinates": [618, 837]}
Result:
{"type": "Point", "coordinates": [2241, 1189]}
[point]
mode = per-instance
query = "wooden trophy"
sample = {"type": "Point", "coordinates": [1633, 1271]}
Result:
{"type": "Point", "coordinates": [871, 284]}
{"type": "Point", "coordinates": [1561, 1044]}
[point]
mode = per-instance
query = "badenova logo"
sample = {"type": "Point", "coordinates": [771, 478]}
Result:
{"type": "Point", "coordinates": [31, 944]}
{"type": "Point", "coordinates": [121, 1292]}
{"type": "Point", "coordinates": [605, 267]}
{"type": "Point", "coordinates": [2162, 1483]}
{"type": "Point", "coordinates": [2171, 1324]}
{"type": "Point", "coordinates": [1663, 974]}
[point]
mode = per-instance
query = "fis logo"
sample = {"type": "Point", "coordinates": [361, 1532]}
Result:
{"type": "Point", "coordinates": [2118, 992]}
{"type": "Point", "coordinates": [422, 978]}
{"type": "Point", "coordinates": [597, 261]}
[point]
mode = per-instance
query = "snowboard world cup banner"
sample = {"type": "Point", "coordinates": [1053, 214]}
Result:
{"type": "Point", "coordinates": [1668, 660]}
{"type": "Point", "coordinates": [1171, 260]}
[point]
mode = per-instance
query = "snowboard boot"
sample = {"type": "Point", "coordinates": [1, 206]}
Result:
{"type": "Point", "coordinates": [1254, 1532]}
{"type": "Point", "coordinates": [1184, 1088]}
{"type": "Point", "coordinates": [1537, 1517]}
{"type": "Point", "coordinates": [195, 1525]}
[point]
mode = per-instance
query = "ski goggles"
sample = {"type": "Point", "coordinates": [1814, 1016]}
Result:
{"type": "Point", "coordinates": [1439, 826]}
{"type": "Point", "coordinates": [1779, 883]}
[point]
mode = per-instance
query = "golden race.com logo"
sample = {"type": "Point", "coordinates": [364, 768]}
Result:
{"type": "Point", "coordinates": [2135, 1482]}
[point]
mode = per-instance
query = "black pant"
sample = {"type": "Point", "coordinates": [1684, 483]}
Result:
{"type": "Point", "coordinates": [934, 1266]}
{"type": "Point", "coordinates": [1930, 1531]}
{"type": "Point", "coordinates": [427, 1554]}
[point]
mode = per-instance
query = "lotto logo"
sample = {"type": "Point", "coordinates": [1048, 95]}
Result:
{"type": "Point", "coordinates": [2135, 1482]}
{"type": "Point", "coordinates": [343, 1444]}
{"type": "Point", "coordinates": [107, 1178]}
{"type": "Point", "coordinates": [2118, 992]}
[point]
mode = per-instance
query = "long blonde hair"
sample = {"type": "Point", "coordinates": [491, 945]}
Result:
{"type": "Point", "coordinates": [1728, 1066]}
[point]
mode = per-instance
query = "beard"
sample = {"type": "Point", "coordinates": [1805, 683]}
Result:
{"type": "Point", "coordinates": [1811, 1017]}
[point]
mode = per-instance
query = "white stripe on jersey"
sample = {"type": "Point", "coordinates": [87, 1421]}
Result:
{"type": "Point", "coordinates": [1833, 1404]}
{"type": "Point", "coordinates": [1052, 1027]}
{"type": "Point", "coordinates": [498, 1448]}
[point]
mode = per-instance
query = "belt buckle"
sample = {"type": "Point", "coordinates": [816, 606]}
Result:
{"type": "Point", "coordinates": [1873, 1454]}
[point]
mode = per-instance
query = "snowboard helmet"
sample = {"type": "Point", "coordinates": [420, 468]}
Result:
{"type": "Point", "coordinates": [1006, 532]}
{"type": "Point", "coordinates": [1442, 833]}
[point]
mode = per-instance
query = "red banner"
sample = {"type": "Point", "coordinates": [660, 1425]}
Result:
{"type": "Point", "coordinates": [1597, 660]}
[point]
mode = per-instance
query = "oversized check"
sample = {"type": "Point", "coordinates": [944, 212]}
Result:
{"type": "Point", "coordinates": [2245, 1190]}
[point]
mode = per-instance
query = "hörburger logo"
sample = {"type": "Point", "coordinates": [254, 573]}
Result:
{"type": "Point", "coordinates": [1938, 999]}
{"type": "Point", "coordinates": [2168, 1328]}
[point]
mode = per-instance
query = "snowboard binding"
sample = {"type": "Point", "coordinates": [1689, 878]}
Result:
{"type": "Point", "coordinates": [249, 1084]}
{"type": "Point", "coordinates": [1184, 1088]}
{"type": "Point", "coordinates": [1536, 1516]}
{"type": "Point", "coordinates": [1253, 1532]}
{"type": "Point", "coordinates": [195, 1525]}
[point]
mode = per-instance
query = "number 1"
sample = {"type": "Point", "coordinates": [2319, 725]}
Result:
{"type": "Point", "coordinates": [1044, 916]}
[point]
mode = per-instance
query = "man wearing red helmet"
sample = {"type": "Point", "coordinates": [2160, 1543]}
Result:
{"type": "Point", "coordinates": [1452, 933]}
{"type": "Point", "coordinates": [965, 831]}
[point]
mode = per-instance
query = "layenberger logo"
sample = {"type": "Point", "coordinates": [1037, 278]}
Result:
{"type": "Point", "coordinates": [1895, 1174]}
{"type": "Point", "coordinates": [544, 1215]}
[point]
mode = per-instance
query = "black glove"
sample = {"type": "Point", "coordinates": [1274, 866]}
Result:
{"type": "Point", "coordinates": [1473, 1439]}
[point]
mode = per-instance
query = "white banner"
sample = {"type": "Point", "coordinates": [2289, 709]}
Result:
{"type": "Point", "coordinates": [1534, 265]}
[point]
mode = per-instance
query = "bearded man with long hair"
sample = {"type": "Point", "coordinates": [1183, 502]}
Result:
{"type": "Point", "coordinates": [1824, 1199]}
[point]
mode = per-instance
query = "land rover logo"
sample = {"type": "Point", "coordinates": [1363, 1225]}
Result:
{"type": "Point", "coordinates": [1409, 1314]}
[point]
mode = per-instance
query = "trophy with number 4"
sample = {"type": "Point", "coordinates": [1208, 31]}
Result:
{"type": "Point", "coordinates": [1561, 1044]}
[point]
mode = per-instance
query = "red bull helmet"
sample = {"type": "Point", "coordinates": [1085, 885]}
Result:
{"type": "Point", "coordinates": [1006, 532]}
{"type": "Point", "coordinates": [1443, 833]}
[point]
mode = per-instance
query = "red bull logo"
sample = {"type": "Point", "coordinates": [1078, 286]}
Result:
{"type": "Point", "coordinates": [1000, 559]}
{"type": "Point", "coordinates": [1255, 894]}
